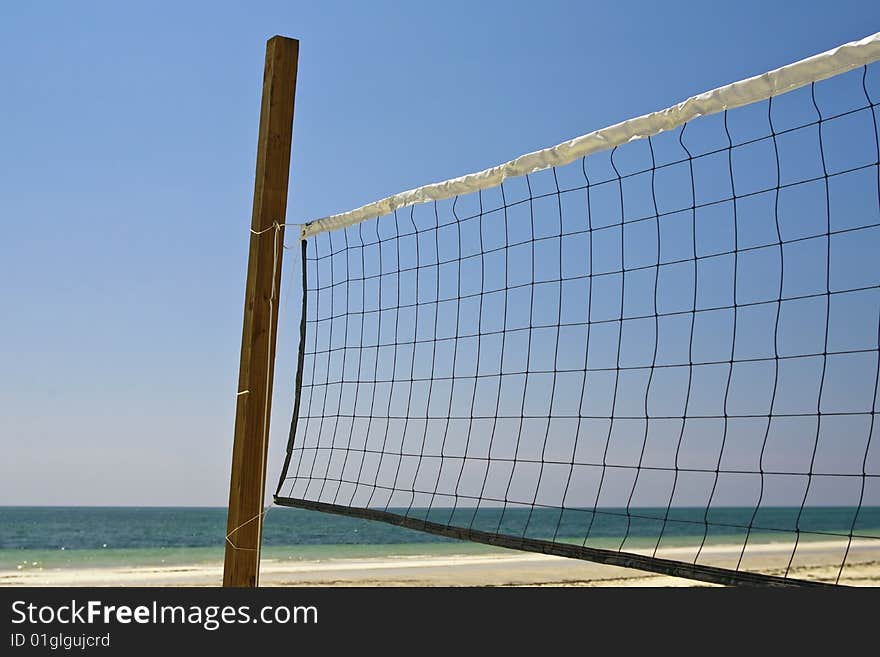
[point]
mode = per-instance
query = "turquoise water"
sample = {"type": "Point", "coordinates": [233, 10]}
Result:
{"type": "Point", "coordinates": [53, 537]}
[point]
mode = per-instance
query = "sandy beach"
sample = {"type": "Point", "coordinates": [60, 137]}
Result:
{"type": "Point", "coordinates": [815, 560]}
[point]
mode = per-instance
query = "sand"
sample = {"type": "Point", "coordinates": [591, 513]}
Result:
{"type": "Point", "coordinates": [815, 560]}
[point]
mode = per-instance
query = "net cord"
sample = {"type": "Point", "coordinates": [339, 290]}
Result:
{"type": "Point", "coordinates": [654, 564]}
{"type": "Point", "coordinates": [300, 360]}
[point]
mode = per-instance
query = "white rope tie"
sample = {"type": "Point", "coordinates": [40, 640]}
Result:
{"type": "Point", "coordinates": [276, 226]}
{"type": "Point", "coordinates": [263, 514]}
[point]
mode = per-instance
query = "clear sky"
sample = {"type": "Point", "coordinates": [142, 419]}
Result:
{"type": "Point", "coordinates": [127, 146]}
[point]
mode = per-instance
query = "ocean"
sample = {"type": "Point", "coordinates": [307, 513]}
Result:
{"type": "Point", "coordinates": [76, 537]}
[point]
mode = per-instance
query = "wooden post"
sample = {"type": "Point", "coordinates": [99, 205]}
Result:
{"type": "Point", "coordinates": [244, 526]}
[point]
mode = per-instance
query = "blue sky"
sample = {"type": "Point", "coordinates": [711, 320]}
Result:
{"type": "Point", "coordinates": [126, 175]}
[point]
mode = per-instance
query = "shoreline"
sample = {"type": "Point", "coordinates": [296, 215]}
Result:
{"type": "Point", "coordinates": [458, 567]}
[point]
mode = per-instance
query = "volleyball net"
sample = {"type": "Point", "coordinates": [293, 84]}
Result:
{"type": "Point", "coordinates": [653, 346]}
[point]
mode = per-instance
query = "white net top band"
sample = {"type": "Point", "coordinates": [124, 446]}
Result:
{"type": "Point", "coordinates": [760, 87]}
